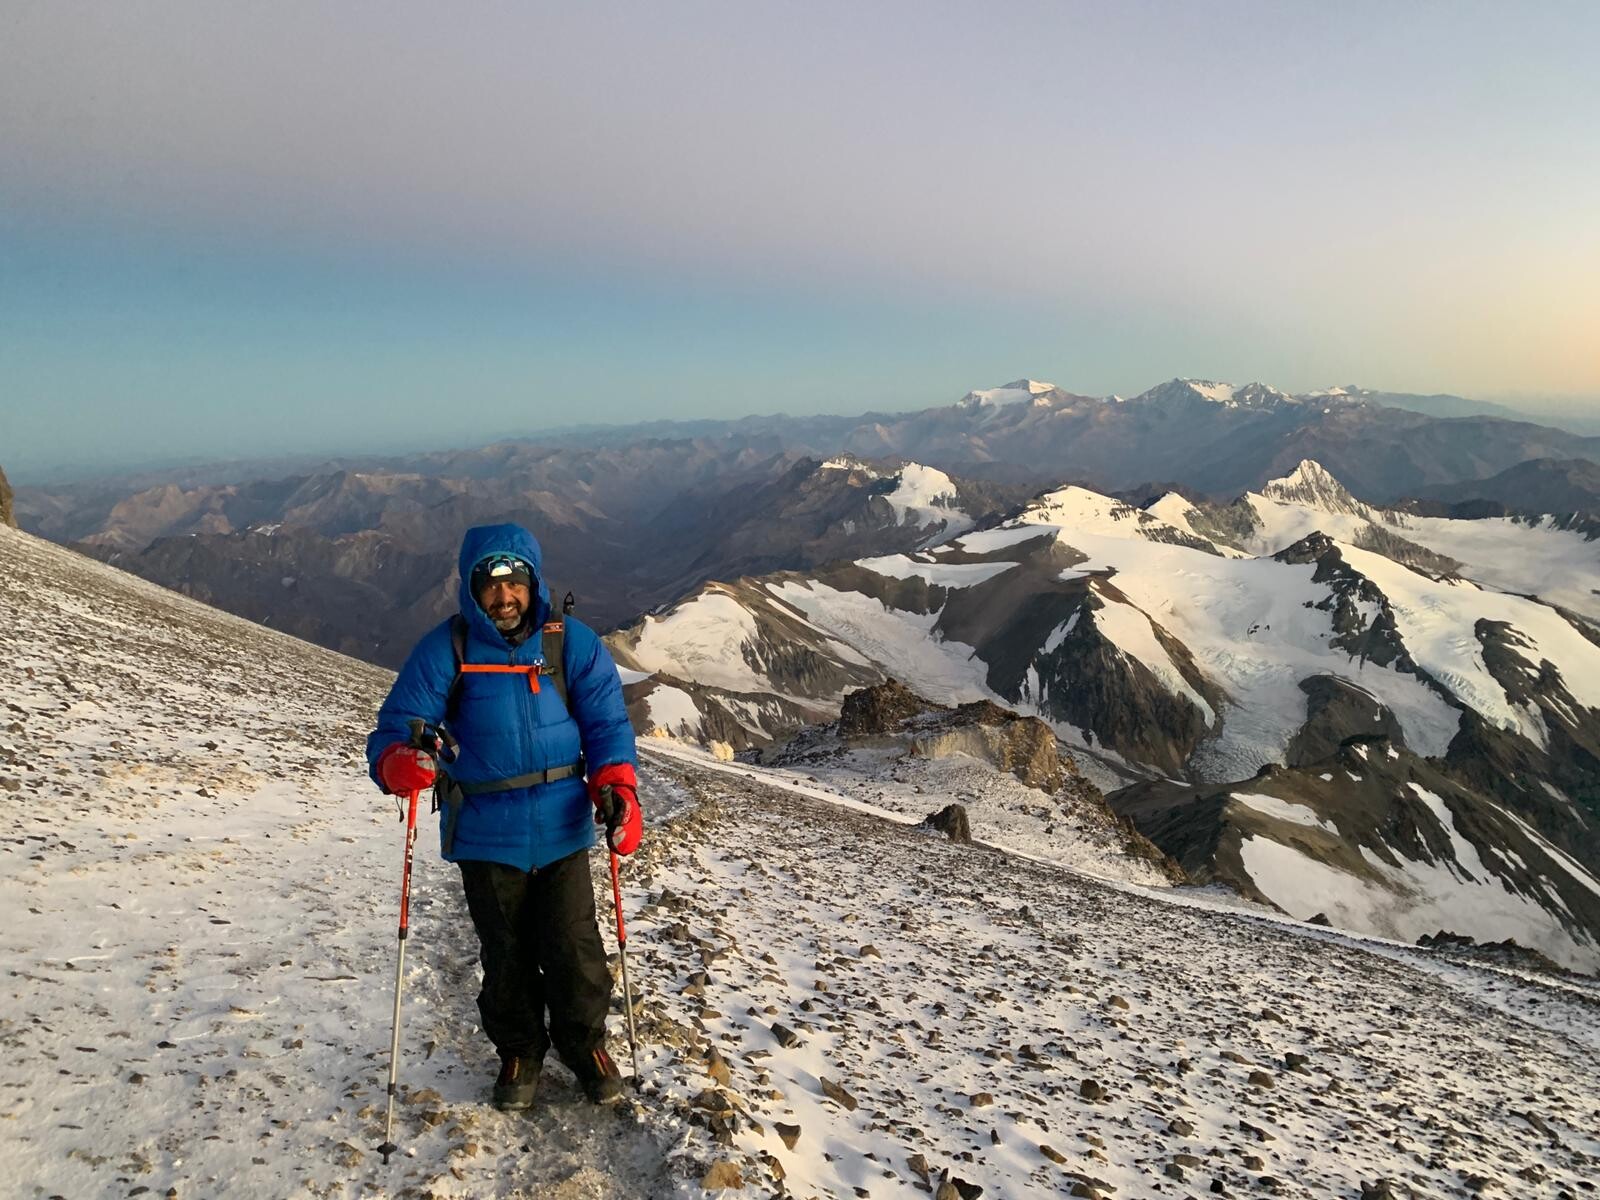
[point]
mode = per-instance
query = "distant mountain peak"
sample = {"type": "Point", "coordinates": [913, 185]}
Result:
{"type": "Point", "coordinates": [1249, 395]}
{"type": "Point", "coordinates": [1314, 486]}
{"type": "Point", "coordinates": [1015, 392]}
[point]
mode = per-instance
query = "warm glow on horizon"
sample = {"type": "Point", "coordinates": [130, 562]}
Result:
{"type": "Point", "coordinates": [235, 223]}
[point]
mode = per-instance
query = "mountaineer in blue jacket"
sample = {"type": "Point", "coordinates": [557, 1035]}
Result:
{"type": "Point", "coordinates": [545, 744]}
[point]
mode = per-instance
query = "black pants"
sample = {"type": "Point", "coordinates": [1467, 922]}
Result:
{"type": "Point", "coordinates": [541, 950]}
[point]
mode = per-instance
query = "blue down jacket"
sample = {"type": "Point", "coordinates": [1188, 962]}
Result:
{"type": "Point", "coordinates": [506, 729]}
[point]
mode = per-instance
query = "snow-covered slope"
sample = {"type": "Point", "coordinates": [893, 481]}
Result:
{"type": "Point", "coordinates": [199, 899]}
{"type": "Point", "coordinates": [1525, 556]}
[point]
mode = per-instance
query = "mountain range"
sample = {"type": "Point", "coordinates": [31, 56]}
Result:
{"type": "Point", "coordinates": [1381, 718]}
{"type": "Point", "coordinates": [359, 556]}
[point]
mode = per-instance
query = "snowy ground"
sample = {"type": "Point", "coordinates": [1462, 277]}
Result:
{"type": "Point", "coordinates": [1001, 809]}
{"type": "Point", "coordinates": [199, 889]}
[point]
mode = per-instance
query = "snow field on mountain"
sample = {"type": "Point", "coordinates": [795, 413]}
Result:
{"type": "Point", "coordinates": [1034, 1032]}
{"type": "Point", "coordinates": [925, 496]}
{"type": "Point", "coordinates": [1409, 900]}
{"type": "Point", "coordinates": [1557, 565]}
{"type": "Point", "coordinates": [946, 575]}
{"type": "Point", "coordinates": [1437, 622]}
{"type": "Point", "coordinates": [673, 710]}
{"type": "Point", "coordinates": [1520, 558]}
{"type": "Point", "coordinates": [901, 643]}
{"type": "Point", "coordinates": [704, 639]}
{"type": "Point", "coordinates": [1283, 810]}
{"type": "Point", "coordinates": [1082, 510]}
{"type": "Point", "coordinates": [1251, 628]}
{"type": "Point", "coordinates": [700, 640]}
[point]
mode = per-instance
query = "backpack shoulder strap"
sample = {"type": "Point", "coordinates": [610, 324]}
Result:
{"type": "Point", "coordinates": [458, 646]}
{"type": "Point", "coordinates": [553, 645]}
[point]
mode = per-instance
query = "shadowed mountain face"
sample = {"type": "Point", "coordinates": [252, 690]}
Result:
{"type": "Point", "coordinates": [1541, 485]}
{"type": "Point", "coordinates": [364, 561]}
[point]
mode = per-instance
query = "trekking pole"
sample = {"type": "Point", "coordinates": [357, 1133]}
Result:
{"type": "Point", "coordinates": [388, 1147]}
{"type": "Point", "coordinates": [622, 950]}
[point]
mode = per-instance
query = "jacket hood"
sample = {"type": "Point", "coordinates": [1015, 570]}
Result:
{"type": "Point", "coordinates": [478, 544]}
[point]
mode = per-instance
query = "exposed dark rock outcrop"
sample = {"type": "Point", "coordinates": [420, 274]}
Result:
{"type": "Point", "coordinates": [951, 820]}
{"type": "Point", "coordinates": [878, 710]}
{"type": "Point", "coordinates": [1337, 710]}
{"type": "Point", "coordinates": [1089, 682]}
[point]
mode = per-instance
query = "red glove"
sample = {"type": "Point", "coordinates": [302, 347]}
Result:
{"type": "Point", "coordinates": [404, 769]}
{"type": "Point", "coordinates": [614, 789]}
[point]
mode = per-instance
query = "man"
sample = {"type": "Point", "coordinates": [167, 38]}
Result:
{"type": "Point", "coordinates": [514, 812]}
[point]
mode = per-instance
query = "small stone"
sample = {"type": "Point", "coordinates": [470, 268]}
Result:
{"type": "Point", "coordinates": [786, 1037]}
{"type": "Point", "coordinates": [1116, 1002]}
{"type": "Point", "coordinates": [1262, 1079]}
{"type": "Point", "coordinates": [1174, 1171]}
{"type": "Point", "coordinates": [868, 952]}
{"type": "Point", "coordinates": [1091, 1089]}
{"type": "Point", "coordinates": [713, 1101]}
{"type": "Point", "coordinates": [836, 1093]}
{"type": "Point", "coordinates": [1052, 1153]}
{"type": "Point", "coordinates": [722, 1175]}
{"type": "Point", "coordinates": [1180, 1127]}
{"type": "Point", "coordinates": [790, 1134]}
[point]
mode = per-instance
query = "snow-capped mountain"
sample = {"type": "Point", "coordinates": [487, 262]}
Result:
{"type": "Point", "coordinates": [1021, 391]}
{"type": "Point", "coordinates": [1556, 559]}
{"type": "Point", "coordinates": [200, 889]}
{"type": "Point", "coordinates": [1250, 395]}
{"type": "Point", "coordinates": [1190, 650]}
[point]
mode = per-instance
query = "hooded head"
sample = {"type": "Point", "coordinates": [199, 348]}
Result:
{"type": "Point", "coordinates": [511, 541]}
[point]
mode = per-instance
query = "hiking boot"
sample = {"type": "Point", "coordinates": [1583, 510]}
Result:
{"type": "Point", "coordinates": [602, 1082]}
{"type": "Point", "coordinates": [519, 1076]}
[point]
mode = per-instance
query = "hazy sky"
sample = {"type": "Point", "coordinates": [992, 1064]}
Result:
{"type": "Point", "coordinates": [237, 228]}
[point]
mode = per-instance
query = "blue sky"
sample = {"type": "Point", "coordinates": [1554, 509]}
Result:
{"type": "Point", "coordinates": [231, 229]}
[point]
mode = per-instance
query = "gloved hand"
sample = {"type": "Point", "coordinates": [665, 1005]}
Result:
{"type": "Point", "coordinates": [614, 789]}
{"type": "Point", "coordinates": [402, 769]}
